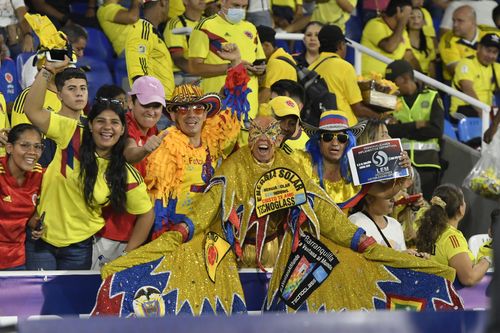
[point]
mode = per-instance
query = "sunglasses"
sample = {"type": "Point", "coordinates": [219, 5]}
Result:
{"type": "Point", "coordinates": [110, 101]}
{"type": "Point", "coordinates": [26, 146]}
{"type": "Point", "coordinates": [341, 137]}
{"type": "Point", "coordinates": [198, 109]}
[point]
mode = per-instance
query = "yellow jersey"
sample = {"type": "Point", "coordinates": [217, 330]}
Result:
{"type": "Point", "coordinates": [68, 219]}
{"type": "Point", "coordinates": [50, 103]}
{"type": "Point", "coordinates": [450, 243]}
{"type": "Point", "coordinates": [117, 33]}
{"type": "Point", "coordinates": [278, 69]}
{"type": "Point", "coordinates": [428, 27]}
{"type": "Point", "coordinates": [297, 143]}
{"type": "Point", "coordinates": [147, 54]}
{"type": "Point", "coordinates": [4, 119]}
{"type": "Point", "coordinates": [287, 3]}
{"type": "Point", "coordinates": [482, 77]}
{"type": "Point", "coordinates": [374, 32]}
{"type": "Point", "coordinates": [425, 58]}
{"type": "Point", "coordinates": [341, 80]}
{"type": "Point", "coordinates": [331, 13]}
{"type": "Point", "coordinates": [207, 38]}
{"type": "Point", "coordinates": [176, 42]}
{"type": "Point", "coordinates": [453, 48]}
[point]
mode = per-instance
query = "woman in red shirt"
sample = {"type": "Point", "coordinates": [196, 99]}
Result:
{"type": "Point", "coordinates": [20, 182]}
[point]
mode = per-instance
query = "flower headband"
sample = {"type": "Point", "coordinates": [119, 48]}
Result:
{"type": "Point", "coordinates": [437, 201]}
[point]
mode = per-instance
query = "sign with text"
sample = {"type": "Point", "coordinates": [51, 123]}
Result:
{"type": "Point", "coordinates": [376, 161]}
{"type": "Point", "coordinates": [277, 189]}
{"type": "Point", "coordinates": [306, 270]}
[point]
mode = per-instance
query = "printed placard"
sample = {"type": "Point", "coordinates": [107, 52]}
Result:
{"type": "Point", "coordinates": [216, 249]}
{"type": "Point", "coordinates": [376, 161]}
{"type": "Point", "coordinates": [277, 189]}
{"type": "Point", "coordinates": [307, 268]}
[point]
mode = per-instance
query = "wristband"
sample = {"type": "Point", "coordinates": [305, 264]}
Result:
{"type": "Point", "coordinates": [366, 243]}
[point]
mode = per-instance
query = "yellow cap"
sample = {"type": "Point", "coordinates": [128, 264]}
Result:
{"type": "Point", "coordinates": [283, 106]}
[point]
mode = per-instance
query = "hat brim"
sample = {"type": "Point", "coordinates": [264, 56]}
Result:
{"type": "Point", "coordinates": [212, 104]}
{"type": "Point", "coordinates": [145, 100]}
{"type": "Point", "coordinates": [313, 130]}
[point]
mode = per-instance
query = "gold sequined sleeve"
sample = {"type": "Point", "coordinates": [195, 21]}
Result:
{"type": "Point", "coordinates": [206, 209]}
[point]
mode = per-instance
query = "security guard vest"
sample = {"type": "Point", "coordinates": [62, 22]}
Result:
{"type": "Point", "coordinates": [421, 110]}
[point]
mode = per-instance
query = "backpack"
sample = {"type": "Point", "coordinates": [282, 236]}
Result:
{"type": "Point", "coordinates": [316, 92]}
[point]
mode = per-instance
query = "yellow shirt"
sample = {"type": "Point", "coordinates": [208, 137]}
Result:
{"type": "Point", "coordinates": [287, 3]}
{"type": "Point", "coordinates": [117, 33]}
{"type": "Point", "coordinates": [297, 143]}
{"type": "Point", "coordinates": [147, 54]}
{"type": "Point", "coordinates": [425, 59]}
{"type": "Point", "coordinates": [51, 103]}
{"type": "Point", "coordinates": [68, 219]}
{"type": "Point", "coordinates": [482, 78]}
{"type": "Point", "coordinates": [428, 27]}
{"type": "Point", "coordinates": [330, 13]}
{"type": "Point", "coordinates": [341, 79]}
{"type": "Point", "coordinates": [450, 243]}
{"type": "Point", "coordinates": [278, 69]}
{"type": "Point", "coordinates": [4, 119]}
{"type": "Point", "coordinates": [175, 8]}
{"type": "Point", "coordinates": [177, 42]}
{"type": "Point", "coordinates": [206, 39]}
{"type": "Point", "coordinates": [374, 32]}
{"type": "Point", "coordinates": [453, 49]}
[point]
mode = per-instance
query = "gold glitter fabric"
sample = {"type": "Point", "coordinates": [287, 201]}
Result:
{"type": "Point", "coordinates": [353, 284]}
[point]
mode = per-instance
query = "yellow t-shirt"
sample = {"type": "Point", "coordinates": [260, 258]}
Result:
{"type": "Point", "coordinates": [4, 119]}
{"type": "Point", "coordinates": [482, 78]}
{"type": "Point", "coordinates": [206, 40]}
{"type": "Point", "coordinates": [68, 219]}
{"type": "Point", "coordinates": [450, 243]}
{"type": "Point", "coordinates": [51, 103]}
{"type": "Point", "coordinates": [297, 143]}
{"type": "Point", "coordinates": [374, 32]}
{"type": "Point", "coordinates": [330, 13]}
{"type": "Point", "coordinates": [428, 27]}
{"type": "Point", "coordinates": [341, 79]}
{"type": "Point", "coordinates": [287, 3]}
{"type": "Point", "coordinates": [177, 42]}
{"type": "Point", "coordinates": [175, 8]}
{"type": "Point", "coordinates": [425, 59]}
{"type": "Point", "coordinates": [278, 69]}
{"type": "Point", "coordinates": [453, 49]}
{"type": "Point", "coordinates": [117, 33]}
{"type": "Point", "coordinates": [147, 54]}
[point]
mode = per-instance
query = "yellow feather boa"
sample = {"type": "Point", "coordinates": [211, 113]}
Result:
{"type": "Point", "coordinates": [165, 167]}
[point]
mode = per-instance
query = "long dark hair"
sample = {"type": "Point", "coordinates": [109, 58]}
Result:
{"type": "Point", "coordinates": [435, 220]}
{"type": "Point", "coordinates": [422, 46]}
{"type": "Point", "coordinates": [116, 172]}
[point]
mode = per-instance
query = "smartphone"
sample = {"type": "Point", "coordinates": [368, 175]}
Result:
{"type": "Point", "coordinates": [39, 224]}
{"type": "Point", "coordinates": [259, 62]}
{"type": "Point", "coordinates": [408, 200]}
{"type": "Point", "coordinates": [55, 55]}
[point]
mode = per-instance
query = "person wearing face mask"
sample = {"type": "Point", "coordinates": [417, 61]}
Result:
{"type": "Point", "coordinates": [249, 205]}
{"type": "Point", "coordinates": [227, 26]}
{"type": "Point", "coordinates": [180, 168]}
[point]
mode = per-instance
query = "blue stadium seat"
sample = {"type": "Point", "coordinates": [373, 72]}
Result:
{"type": "Point", "coordinates": [469, 129]}
{"type": "Point", "coordinates": [97, 76]}
{"type": "Point", "coordinates": [20, 61]}
{"type": "Point", "coordinates": [120, 71]}
{"type": "Point", "coordinates": [98, 46]}
{"type": "Point", "coordinates": [354, 28]}
{"type": "Point", "coordinates": [450, 130]}
{"type": "Point", "coordinates": [79, 8]}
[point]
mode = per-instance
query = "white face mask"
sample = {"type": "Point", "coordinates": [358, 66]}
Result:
{"type": "Point", "coordinates": [235, 15]}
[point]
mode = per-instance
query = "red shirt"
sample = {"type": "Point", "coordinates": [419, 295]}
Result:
{"type": "Point", "coordinates": [17, 205]}
{"type": "Point", "coordinates": [119, 226]}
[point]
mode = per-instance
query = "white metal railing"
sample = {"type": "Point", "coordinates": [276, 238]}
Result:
{"type": "Point", "coordinates": [359, 49]}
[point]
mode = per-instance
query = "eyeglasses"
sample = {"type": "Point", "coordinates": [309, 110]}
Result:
{"type": "Point", "coordinates": [198, 109]}
{"type": "Point", "coordinates": [110, 101]}
{"type": "Point", "coordinates": [26, 146]}
{"type": "Point", "coordinates": [341, 137]}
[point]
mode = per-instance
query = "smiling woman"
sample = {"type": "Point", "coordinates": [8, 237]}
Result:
{"type": "Point", "coordinates": [20, 182]}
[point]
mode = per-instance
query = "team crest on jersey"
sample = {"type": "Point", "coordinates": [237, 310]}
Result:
{"type": "Point", "coordinates": [142, 49]}
{"type": "Point", "coordinates": [248, 34]}
{"type": "Point", "coordinates": [8, 77]}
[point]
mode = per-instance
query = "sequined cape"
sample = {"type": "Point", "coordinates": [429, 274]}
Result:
{"type": "Point", "coordinates": [378, 278]}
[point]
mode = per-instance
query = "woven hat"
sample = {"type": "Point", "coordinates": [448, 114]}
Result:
{"type": "Point", "coordinates": [334, 121]}
{"type": "Point", "coordinates": [187, 94]}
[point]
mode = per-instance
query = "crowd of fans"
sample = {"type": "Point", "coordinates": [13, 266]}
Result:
{"type": "Point", "coordinates": [85, 204]}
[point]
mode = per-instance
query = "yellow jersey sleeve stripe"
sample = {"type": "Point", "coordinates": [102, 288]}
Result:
{"type": "Point", "coordinates": [133, 171]}
{"type": "Point", "coordinates": [18, 106]}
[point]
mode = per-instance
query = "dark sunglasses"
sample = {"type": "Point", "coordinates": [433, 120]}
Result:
{"type": "Point", "coordinates": [110, 101]}
{"type": "Point", "coordinates": [341, 137]}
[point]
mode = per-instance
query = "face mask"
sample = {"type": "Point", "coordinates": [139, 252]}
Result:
{"type": "Point", "coordinates": [235, 15]}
